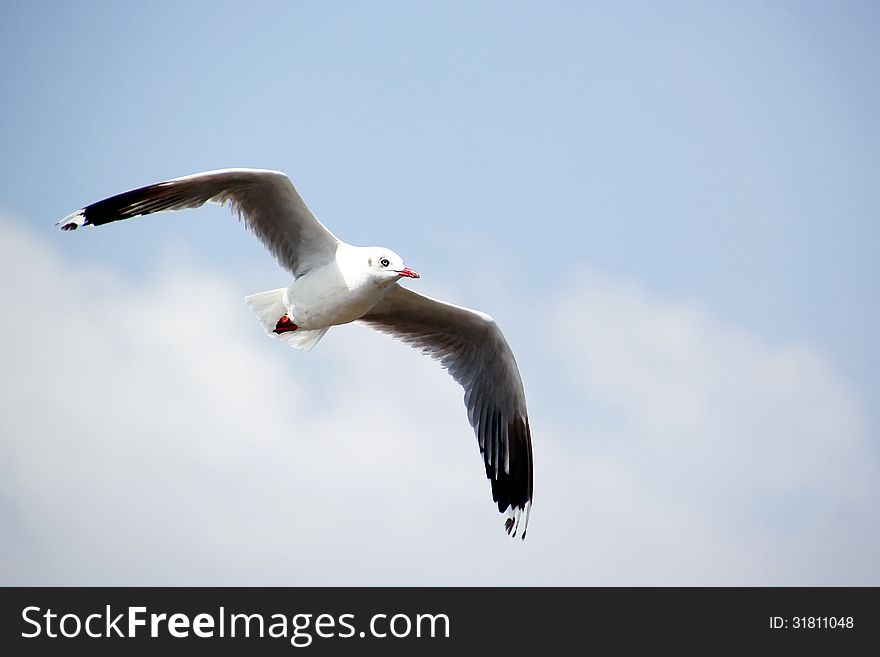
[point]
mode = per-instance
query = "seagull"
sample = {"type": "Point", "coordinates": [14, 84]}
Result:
{"type": "Point", "coordinates": [337, 283]}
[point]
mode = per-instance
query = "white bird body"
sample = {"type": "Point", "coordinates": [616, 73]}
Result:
{"type": "Point", "coordinates": [339, 292]}
{"type": "Point", "coordinates": [337, 283]}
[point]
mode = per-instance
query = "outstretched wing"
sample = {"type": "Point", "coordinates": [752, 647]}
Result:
{"type": "Point", "coordinates": [471, 346]}
{"type": "Point", "coordinates": [266, 201]}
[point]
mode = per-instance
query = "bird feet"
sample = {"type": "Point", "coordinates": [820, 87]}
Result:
{"type": "Point", "coordinates": [284, 325]}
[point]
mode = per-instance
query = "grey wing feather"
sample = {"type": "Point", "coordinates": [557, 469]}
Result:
{"type": "Point", "coordinates": [266, 201]}
{"type": "Point", "coordinates": [470, 345]}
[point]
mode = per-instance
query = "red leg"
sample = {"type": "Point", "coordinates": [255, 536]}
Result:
{"type": "Point", "coordinates": [284, 325]}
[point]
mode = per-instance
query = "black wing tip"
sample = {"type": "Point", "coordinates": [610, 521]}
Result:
{"type": "Point", "coordinates": [133, 203]}
{"type": "Point", "coordinates": [74, 221]}
{"type": "Point", "coordinates": [517, 515]}
{"type": "Point", "coordinates": [511, 485]}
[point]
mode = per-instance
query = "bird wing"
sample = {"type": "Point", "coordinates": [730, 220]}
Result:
{"type": "Point", "coordinates": [266, 202]}
{"type": "Point", "coordinates": [470, 345]}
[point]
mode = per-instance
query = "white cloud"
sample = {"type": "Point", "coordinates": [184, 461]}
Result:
{"type": "Point", "coordinates": [152, 434]}
{"type": "Point", "coordinates": [762, 450]}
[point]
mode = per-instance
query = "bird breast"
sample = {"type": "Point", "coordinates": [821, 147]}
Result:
{"type": "Point", "coordinates": [331, 295]}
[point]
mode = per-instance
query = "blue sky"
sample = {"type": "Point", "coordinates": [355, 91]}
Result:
{"type": "Point", "coordinates": [709, 167]}
{"type": "Point", "coordinates": [726, 152]}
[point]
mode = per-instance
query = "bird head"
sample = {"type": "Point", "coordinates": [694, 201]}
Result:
{"type": "Point", "coordinates": [387, 267]}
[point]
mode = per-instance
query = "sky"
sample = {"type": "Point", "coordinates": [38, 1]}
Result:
{"type": "Point", "coordinates": [669, 208]}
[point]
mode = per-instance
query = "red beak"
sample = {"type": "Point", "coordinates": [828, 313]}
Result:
{"type": "Point", "coordinates": [409, 273]}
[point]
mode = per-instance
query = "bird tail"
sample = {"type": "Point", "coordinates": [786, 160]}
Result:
{"type": "Point", "coordinates": [271, 306]}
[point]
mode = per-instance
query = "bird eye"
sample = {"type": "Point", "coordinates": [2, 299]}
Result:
{"type": "Point", "coordinates": [384, 262]}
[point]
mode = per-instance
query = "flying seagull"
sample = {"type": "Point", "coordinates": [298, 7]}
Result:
{"type": "Point", "coordinates": [337, 283]}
